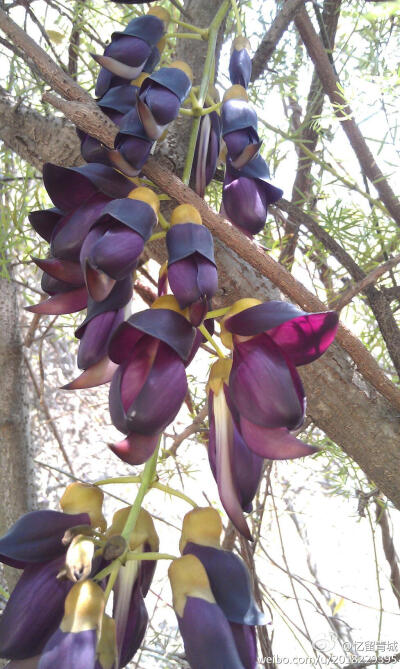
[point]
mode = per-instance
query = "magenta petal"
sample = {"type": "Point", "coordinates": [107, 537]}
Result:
{"type": "Point", "coordinates": [65, 303]}
{"type": "Point", "coordinates": [34, 610]}
{"type": "Point", "coordinates": [207, 636]}
{"type": "Point", "coordinates": [276, 444]}
{"type": "Point", "coordinates": [123, 341]}
{"type": "Point", "coordinates": [264, 386]}
{"type": "Point", "coordinates": [136, 448]}
{"type": "Point", "coordinates": [301, 335]}
{"type": "Point", "coordinates": [136, 370]}
{"type": "Point", "coordinates": [96, 375]}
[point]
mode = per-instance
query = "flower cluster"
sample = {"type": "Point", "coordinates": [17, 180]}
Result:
{"type": "Point", "coordinates": [55, 615]}
{"type": "Point", "coordinates": [256, 399]}
{"type": "Point", "coordinates": [212, 597]}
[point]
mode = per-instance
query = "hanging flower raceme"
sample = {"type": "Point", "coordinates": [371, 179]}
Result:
{"type": "Point", "coordinates": [212, 597]}
{"type": "Point", "coordinates": [150, 384]}
{"type": "Point", "coordinates": [116, 239]}
{"type": "Point", "coordinates": [161, 95]}
{"type": "Point", "coordinates": [132, 51]}
{"type": "Point", "coordinates": [37, 544]}
{"type": "Point", "coordinates": [102, 320]}
{"type": "Point", "coordinates": [236, 469]}
{"type": "Point", "coordinates": [240, 61]}
{"type": "Point", "coordinates": [192, 274]}
{"type": "Point", "coordinates": [132, 584]}
{"type": "Point", "coordinates": [247, 190]}
{"type": "Point", "coordinates": [80, 195]}
{"type": "Point", "coordinates": [207, 148]}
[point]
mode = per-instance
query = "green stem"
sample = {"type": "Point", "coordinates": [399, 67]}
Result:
{"type": "Point", "coordinates": [209, 338]}
{"type": "Point", "coordinates": [184, 36]}
{"type": "Point", "coordinates": [205, 81]}
{"type": "Point", "coordinates": [163, 221]}
{"type": "Point", "coordinates": [175, 493]}
{"type": "Point", "coordinates": [119, 479]}
{"type": "Point", "coordinates": [157, 235]}
{"type": "Point", "coordinates": [216, 313]}
{"type": "Point", "coordinates": [239, 29]}
{"type": "Point", "coordinates": [147, 479]}
{"type": "Point", "coordinates": [189, 26]}
{"type": "Point", "coordinates": [150, 556]}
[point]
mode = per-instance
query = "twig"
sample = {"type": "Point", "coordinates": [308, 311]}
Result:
{"type": "Point", "coordinates": [270, 40]}
{"type": "Point", "coordinates": [332, 88]}
{"type": "Point", "coordinates": [47, 413]}
{"type": "Point", "coordinates": [196, 426]}
{"type": "Point", "coordinates": [87, 117]}
{"type": "Point", "coordinates": [388, 548]}
{"type": "Point", "coordinates": [340, 301]}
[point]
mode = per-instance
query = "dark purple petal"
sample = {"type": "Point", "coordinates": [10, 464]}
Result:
{"type": "Point", "coordinates": [164, 324]}
{"type": "Point", "coordinates": [185, 239]}
{"type": "Point", "coordinates": [240, 68]}
{"type": "Point", "coordinates": [71, 231]}
{"type": "Point", "coordinates": [34, 610]}
{"type": "Point", "coordinates": [136, 448]}
{"type": "Point", "coordinates": [230, 583]}
{"type": "Point", "coordinates": [134, 151]}
{"type": "Point", "coordinates": [147, 27]}
{"type": "Point", "coordinates": [182, 278]}
{"type": "Point", "coordinates": [137, 369]}
{"type": "Point", "coordinates": [119, 98]}
{"type": "Point", "coordinates": [264, 386]}
{"type": "Point", "coordinates": [245, 204]}
{"type": "Point", "coordinates": [63, 270]}
{"type": "Point", "coordinates": [207, 151]}
{"type": "Point", "coordinates": [246, 644]}
{"type": "Point", "coordinates": [65, 303]}
{"type": "Point", "coordinates": [69, 187]}
{"type": "Point", "coordinates": [44, 221]}
{"type": "Point", "coordinates": [70, 649]}
{"type": "Point", "coordinates": [94, 342]}
{"type": "Point", "coordinates": [238, 115]}
{"type": "Point", "coordinates": [93, 151]}
{"type": "Point", "coordinates": [129, 50]}
{"type": "Point", "coordinates": [161, 396]}
{"type": "Point", "coordinates": [276, 444]}
{"type": "Point", "coordinates": [117, 252]}
{"type": "Point", "coordinates": [157, 107]}
{"type": "Point", "coordinates": [129, 612]}
{"type": "Point", "coordinates": [36, 537]}
{"type": "Point", "coordinates": [302, 336]}
{"type": "Point", "coordinates": [53, 286]}
{"type": "Point", "coordinates": [207, 636]}
{"type": "Point", "coordinates": [171, 78]}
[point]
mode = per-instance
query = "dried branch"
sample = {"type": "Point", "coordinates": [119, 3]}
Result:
{"type": "Point", "coordinates": [196, 426]}
{"type": "Point", "coordinates": [89, 118]}
{"type": "Point", "coordinates": [389, 549]}
{"type": "Point", "coordinates": [339, 301]}
{"type": "Point", "coordinates": [271, 39]}
{"type": "Point", "coordinates": [75, 38]}
{"type": "Point", "coordinates": [333, 89]}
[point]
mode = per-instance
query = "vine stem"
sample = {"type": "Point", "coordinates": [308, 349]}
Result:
{"type": "Point", "coordinates": [154, 485]}
{"type": "Point", "coordinates": [212, 41]}
{"type": "Point", "coordinates": [209, 338]}
{"type": "Point", "coordinates": [239, 29]}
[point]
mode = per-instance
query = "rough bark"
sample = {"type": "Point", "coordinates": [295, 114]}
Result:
{"type": "Point", "coordinates": [15, 491]}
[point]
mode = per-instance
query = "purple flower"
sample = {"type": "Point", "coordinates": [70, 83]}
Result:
{"type": "Point", "coordinates": [246, 195]}
{"type": "Point", "coordinates": [192, 274]}
{"type": "Point", "coordinates": [150, 349]}
{"type": "Point", "coordinates": [239, 127]}
{"type": "Point", "coordinates": [207, 151]}
{"type": "Point", "coordinates": [130, 51]}
{"type": "Point", "coordinates": [102, 320]}
{"type": "Point", "coordinates": [116, 240]}
{"type": "Point", "coordinates": [161, 96]}
{"type": "Point", "coordinates": [132, 145]}
{"type": "Point", "coordinates": [240, 62]}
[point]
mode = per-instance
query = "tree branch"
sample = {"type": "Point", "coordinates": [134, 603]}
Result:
{"type": "Point", "coordinates": [332, 88]}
